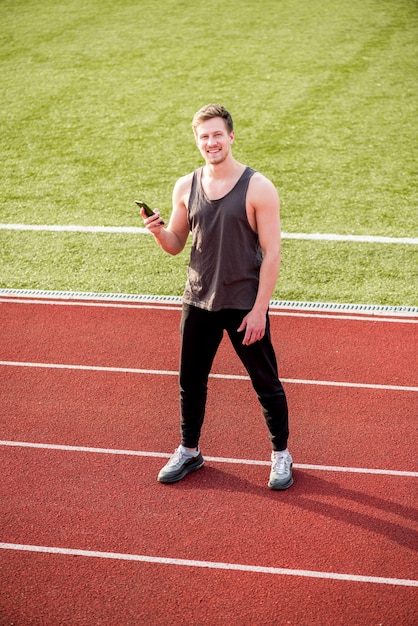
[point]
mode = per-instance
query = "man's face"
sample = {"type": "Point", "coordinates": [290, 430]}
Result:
{"type": "Point", "coordinates": [213, 140]}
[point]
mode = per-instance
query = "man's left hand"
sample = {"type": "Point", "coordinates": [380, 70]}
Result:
{"type": "Point", "coordinates": [254, 324]}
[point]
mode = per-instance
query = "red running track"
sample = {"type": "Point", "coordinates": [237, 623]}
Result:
{"type": "Point", "coordinates": [89, 413]}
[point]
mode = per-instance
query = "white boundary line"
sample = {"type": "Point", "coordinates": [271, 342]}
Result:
{"type": "Point", "coordinates": [286, 307]}
{"type": "Point", "coordinates": [258, 569]}
{"type": "Point", "coordinates": [134, 370]}
{"type": "Point", "coordinates": [137, 230]}
{"type": "Point", "coordinates": [175, 307]}
{"type": "Point", "coordinates": [212, 459]}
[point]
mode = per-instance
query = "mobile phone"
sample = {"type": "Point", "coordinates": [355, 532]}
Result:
{"type": "Point", "coordinates": [148, 211]}
{"type": "Point", "coordinates": [144, 205]}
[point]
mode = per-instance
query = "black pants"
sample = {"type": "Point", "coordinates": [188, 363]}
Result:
{"type": "Point", "coordinates": [201, 334]}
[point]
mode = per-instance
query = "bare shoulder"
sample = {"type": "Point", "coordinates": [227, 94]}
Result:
{"type": "Point", "coordinates": [182, 188]}
{"type": "Point", "coordinates": [178, 223]}
{"type": "Point", "coordinates": [262, 188]}
{"type": "Point", "coordinates": [263, 204]}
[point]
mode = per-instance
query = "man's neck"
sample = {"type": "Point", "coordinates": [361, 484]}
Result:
{"type": "Point", "coordinates": [230, 168]}
{"type": "Point", "coordinates": [219, 178]}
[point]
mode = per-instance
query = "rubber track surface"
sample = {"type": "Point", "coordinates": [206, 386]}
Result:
{"type": "Point", "coordinates": [335, 522]}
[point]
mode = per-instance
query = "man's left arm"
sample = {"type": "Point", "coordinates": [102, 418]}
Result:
{"type": "Point", "coordinates": [264, 216]}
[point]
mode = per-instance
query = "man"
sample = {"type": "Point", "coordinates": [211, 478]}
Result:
{"type": "Point", "coordinates": [232, 212]}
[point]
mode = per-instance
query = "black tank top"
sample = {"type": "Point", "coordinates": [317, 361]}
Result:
{"type": "Point", "coordinates": [225, 258]}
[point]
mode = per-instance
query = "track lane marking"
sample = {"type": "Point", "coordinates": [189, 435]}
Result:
{"type": "Point", "coordinates": [212, 459]}
{"type": "Point", "coordinates": [177, 307]}
{"type": "Point", "coordinates": [258, 569]}
{"type": "Point", "coordinates": [134, 370]}
{"type": "Point", "coordinates": [106, 305]}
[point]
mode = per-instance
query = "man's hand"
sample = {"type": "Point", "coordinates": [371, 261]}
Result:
{"type": "Point", "coordinates": [154, 223]}
{"type": "Point", "coordinates": [254, 324]}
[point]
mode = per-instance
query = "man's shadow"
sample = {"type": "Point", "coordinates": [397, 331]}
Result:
{"type": "Point", "coordinates": [309, 492]}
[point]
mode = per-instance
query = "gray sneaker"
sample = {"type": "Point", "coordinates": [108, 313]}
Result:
{"type": "Point", "coordinates": [180, 464]}
{"type": "Point", "coordinates": [281, 470]}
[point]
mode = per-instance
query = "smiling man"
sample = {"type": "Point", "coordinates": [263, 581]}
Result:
{"type": "Point", "coordinates": [232, 212]}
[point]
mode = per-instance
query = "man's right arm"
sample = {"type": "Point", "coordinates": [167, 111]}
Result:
{"type": "Point", "coordinates": [173, 238]}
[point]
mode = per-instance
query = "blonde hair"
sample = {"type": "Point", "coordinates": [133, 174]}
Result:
{"type": "Point", "coordinates": [208, 112]}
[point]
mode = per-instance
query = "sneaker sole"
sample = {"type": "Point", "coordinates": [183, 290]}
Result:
{"type": "Point", "coordinates": [176, 477]}
{"type": "Point", "coordinates": [281, 487]}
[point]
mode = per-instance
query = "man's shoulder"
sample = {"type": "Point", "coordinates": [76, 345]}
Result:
{"type": "Point", "coordinates": [182, 190]}
{"type": "Point", "coordinates": [260, 181]}
{"type": "Point", "coordinates": [185, 182]}
{"type": "Point", "coordinates": [261, 190]}
{"type": "Point", "coordinates": [258, 176]}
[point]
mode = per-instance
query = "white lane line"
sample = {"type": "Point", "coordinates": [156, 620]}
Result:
{"type": "Point", "coordinates": [212, 459]}
{"type": "Point", "coordinates": [138, 230]}
{"type": "Point", "coordinates": [332, 383]}
{"type": "Point", "coordinates": [343, 317]}
{"type": "Point", "coordinates": [362, 313]}
{"type": "Point", "coordinates": [133, 370]}
{"type": "Point", "coordinates": [92, 368]}
{"type": "Point", "coordinates": [105, 305]}
{"type": "Point", "coordinates": [258, 569]}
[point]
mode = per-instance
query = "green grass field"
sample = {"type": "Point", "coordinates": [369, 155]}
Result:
{"type": "Point", "coordinates": [97, 100]}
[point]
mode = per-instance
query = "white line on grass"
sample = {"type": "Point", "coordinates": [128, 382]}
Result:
{"type": "Point", "coordinates": [134, 370]}
{"type": "Point", "coordinates": [212, 459]}
{"type": "Point", "coordinates": [355, 238]}
{"type": "Point", "coordinates": [136, 230]}
{"type": "Point", "coordinates": [257, 569]}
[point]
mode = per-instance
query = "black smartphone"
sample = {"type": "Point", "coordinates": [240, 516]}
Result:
{"type": "Point", "coordinates": [144, 205]}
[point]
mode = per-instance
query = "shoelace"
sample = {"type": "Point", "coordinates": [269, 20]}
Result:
{"type": "Point", "coordinates": [176, 456]}
{"type": "Point", "coordinates": [280, 463]}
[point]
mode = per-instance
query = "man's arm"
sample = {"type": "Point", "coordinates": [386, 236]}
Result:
{"type": "Point", "coordinates": [264, 216]}
{"type": "Point", "coordinates": [173, 238]}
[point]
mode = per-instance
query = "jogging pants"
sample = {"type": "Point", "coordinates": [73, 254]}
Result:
{"type": "Point", "coordinates": [201, 334]}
